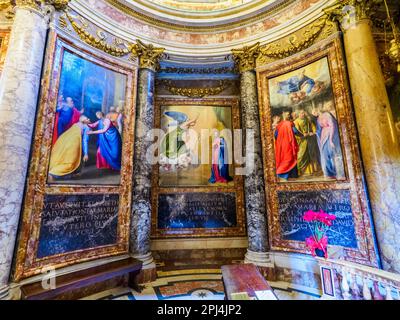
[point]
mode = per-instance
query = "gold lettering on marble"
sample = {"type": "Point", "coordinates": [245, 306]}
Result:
{"type": "Point", "coordinates": [245, 58]}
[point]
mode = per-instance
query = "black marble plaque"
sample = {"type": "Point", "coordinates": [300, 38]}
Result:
{"type": "Point", "coordinates": [292, 206]}
{"type": "Point", "coordinates": [76, 222]}
{"type": "Point", "coordinates": [197, 210]}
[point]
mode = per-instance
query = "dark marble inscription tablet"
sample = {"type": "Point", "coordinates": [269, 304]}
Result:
{"type": "Point", "coordinates": [75, 222]}
{"type": "Point", "coordinates": [292, 206]}
{"type": "Point", "coordinates": [197, 210]}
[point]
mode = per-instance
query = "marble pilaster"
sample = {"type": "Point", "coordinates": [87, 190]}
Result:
{"type": "Point", "coordinates": [19, 88]}
{"type": "Point", "coordinates": [141, 215]}
{"type": "Point", "coordinates": [379, 143]}
{"type": "Point", "coordinates": [254, 179]}
{"type": "Point", "coordinates": [141, 209]}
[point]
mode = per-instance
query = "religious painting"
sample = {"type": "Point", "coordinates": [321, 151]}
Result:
{"type": "Point", "coordinates": [88, 126]}
{"type": "Point", "coordinates": [305, 125]}
{"type": "Point", "coordinates": [328, 287]}
{"type": "Point", "coordinates": [196, 191]}
{"type": "Point", "coordinates": [196, 149]}
{"type": "Point", "coordinates": [311, 154]}
{"type": "Point", "coordinates": [79, 189]}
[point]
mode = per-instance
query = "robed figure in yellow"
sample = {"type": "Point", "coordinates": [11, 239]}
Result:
{"type": "Point", "coordinates": [66, 154]}
{"type": "Point", "coordinates": [308, 155]}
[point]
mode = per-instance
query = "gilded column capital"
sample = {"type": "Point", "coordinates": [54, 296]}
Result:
{"type": "Point", "coordinates": [351, 12]}
{"type": "Point", "coordinates": [149, 55]}
{"type": "Point", "coordinates": [245, 58]}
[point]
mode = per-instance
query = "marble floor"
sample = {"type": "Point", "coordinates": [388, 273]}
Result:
{"type": "Point", "coordinates": [194, 284]}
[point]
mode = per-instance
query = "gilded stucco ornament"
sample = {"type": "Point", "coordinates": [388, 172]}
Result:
{"type": "Point", "coordinates": [295, 43]}
{"type": "Point", "coordinates": [350, 12]}
{"type": "Point", "coordinates": [149, 55]}
{"type": "Point", "coordinates": [245, 58]}
{"type": "Point", "coordinates": [98, 41]}
{"type": "Point", "coordinates": [195, 92]}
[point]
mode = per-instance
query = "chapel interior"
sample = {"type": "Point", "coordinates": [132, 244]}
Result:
{"type": "Point", "coordinates": [199, 150]}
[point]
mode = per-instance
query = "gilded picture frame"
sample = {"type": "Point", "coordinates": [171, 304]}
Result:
{"type": "Point", "coordinates": [237, 188]}
{"type": "Point", "coordinates": [27, 262]}
{"type": "Point", "coordinates": [331, 48]}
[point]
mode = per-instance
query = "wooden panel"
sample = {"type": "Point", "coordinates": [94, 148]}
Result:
{"type": "Point", "coordinates": [243, 278]}
{"type": "Point", "coordinates": [82, 278]}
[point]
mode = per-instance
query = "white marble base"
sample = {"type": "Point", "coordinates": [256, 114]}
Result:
{"type": "Point", "coordinates": [147, 260]}
{"type": "Point", "coordinates": [261, 259]}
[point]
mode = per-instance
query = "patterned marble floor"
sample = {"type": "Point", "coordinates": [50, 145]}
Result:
{"type": "Point", "coordinates": [193, 284]}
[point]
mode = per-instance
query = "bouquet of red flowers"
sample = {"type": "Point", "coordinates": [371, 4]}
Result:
{"type": "Point", "coordinates": [319, 223]}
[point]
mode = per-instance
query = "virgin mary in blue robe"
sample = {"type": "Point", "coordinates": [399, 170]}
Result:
{"type": "Point", "coordinates": [219, 167]}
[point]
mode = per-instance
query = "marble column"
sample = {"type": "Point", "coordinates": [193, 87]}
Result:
{"type": "Point", "coordinates": [378, 139]}
{"type": "Point", "coordinates": [254, 190]}
{"type": "Point", "coordinates": [141, 208]}
{"type": "Point", "coordinates": [19, 89]}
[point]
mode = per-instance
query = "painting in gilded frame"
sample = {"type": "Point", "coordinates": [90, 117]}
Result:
{"type": "Point", "coordinates": [196, 149]}
{"type": "Point", "coordinates": [305, 126]}
{"type": "Point", "coordinates": [75, 213]}
{"type": "Point", "coordinates": [88, 126]}
{"type": "Point", "coordinates": [189, 200]}
{"type": "Point", "coordinates": [313, 83]}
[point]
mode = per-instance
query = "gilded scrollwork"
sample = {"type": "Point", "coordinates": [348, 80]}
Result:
{"type": "Point", "coordinates": [194, 92]}
{"type": "Point", "coordinates": [98, 41]}
{"type": "Point", "coordinates": [148, 55]}
{"type": "Point", "coordinates": [297, 41]}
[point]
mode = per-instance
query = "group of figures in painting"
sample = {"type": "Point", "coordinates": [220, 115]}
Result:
{"type": "Point", "coordinates": [305, 126]}
{"type": "Point", "coordinates": [74, 154]}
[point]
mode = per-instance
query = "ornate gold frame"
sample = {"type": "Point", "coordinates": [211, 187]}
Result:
{"type": "Point", "coordinates": [330, 48]}
{"type": "Point", "coordinates": [37, 187]}
{"type": "Point", "coordinates": [238, 231]}
{"type": "Point", "coordinates": [5, 36]}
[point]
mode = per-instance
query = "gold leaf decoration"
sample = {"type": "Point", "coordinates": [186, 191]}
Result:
{"type": "Point", "coordinates": [297, 41]}
{"type": "Point", "coordinates": [98, 41]}
{"type": "Point", "coordinates": [194, 92]}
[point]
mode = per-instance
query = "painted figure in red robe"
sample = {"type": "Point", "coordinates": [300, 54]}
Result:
{"type": "Point", "coordinates": [286, 147]}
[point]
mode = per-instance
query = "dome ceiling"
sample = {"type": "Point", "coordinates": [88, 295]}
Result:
{"type": "Point", "coordinates": [202, 6]}
{"type": "Point", "coordinates": [200, 13]}
{"type": "Point", "coordinates": [194, 30]}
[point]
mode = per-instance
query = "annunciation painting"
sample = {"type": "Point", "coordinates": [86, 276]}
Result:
{"type": "Point", "coordinates": [196, 191]}
{"type": "Point", "coordinates": [87, 134]}
{"type": "Point", "coordinates": [311, 154]}
{"type": "Point", "coordinates": [196, 149]}
{"type": "Point", "coordinates": [305, 125]}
